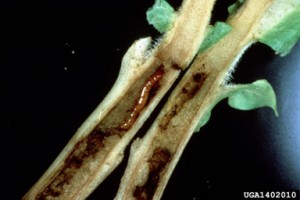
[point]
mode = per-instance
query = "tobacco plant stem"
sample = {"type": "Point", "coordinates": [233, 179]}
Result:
{"type": "Point", "coordinates": [154, 157]}
{"type": "Point", "coordinates": [97, 147]}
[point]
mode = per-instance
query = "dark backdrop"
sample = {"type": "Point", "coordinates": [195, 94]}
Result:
{"type": "Point", "coordinates": [60, 58]}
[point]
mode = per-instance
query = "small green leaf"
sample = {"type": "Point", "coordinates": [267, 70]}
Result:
{"type": "Point", "coordinates": [252, 96]}
{"type": "Point", "coordinates": [244, 97]}
{"type": "Point", "coordinates": [160, 15]}
{"type": "Point", "coordinates": [216, 33]}
{"type": "Point", "coordinates": [285, 34]}
{"type": "Point", "coordinates": [203, 121]}
{"type": "Point", "coordinates": [235, 6]}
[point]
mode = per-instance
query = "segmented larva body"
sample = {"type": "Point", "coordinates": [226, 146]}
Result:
{"type": "Point", "coordinates": [140, 103]}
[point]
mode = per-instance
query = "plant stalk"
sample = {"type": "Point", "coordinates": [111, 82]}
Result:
{"type": "Point", "coordinates": [97, 147]}
{"type": "Point", "coordinates": [153, 158]}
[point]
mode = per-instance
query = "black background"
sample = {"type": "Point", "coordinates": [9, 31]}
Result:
{"type": "Point", "coordinates": [60, 58]}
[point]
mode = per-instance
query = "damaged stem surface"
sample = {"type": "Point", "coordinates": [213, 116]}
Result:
{"type": "Point", "coordinates": [154, 157]}
{"type": "Point", "coordinates": [98, 145]}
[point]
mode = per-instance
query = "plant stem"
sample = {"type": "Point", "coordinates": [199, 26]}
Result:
{"type": "Point", "coordinates": [153, 158]}
{"type": "Point", "coordinates": [97, 147]}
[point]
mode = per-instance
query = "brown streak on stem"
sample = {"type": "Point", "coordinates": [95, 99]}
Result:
{"type": "Point", "coordinates": [84, 149]}
{"type": "Point", "coordinates": [188, 92]}
{"type": "Point", "coordinates": [176, 66]}
{"type": "Point", "coordinates": [159, 160]}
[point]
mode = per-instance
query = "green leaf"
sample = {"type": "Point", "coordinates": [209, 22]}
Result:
{"type": "Point", "coordinates": [252, 96]}
{"type": "Point", "coordinates": [235, 6]}
{"type": "Point", "coordinates": [282, 37]}
{"type": "Point", "coordinates": [244, 97]}
{"type": "Point", "coordinates": [160, 15]}
{"type": "Point", "coordinates": [216, 33]}
{"type": "Point", "coordinates": [203, 121]}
